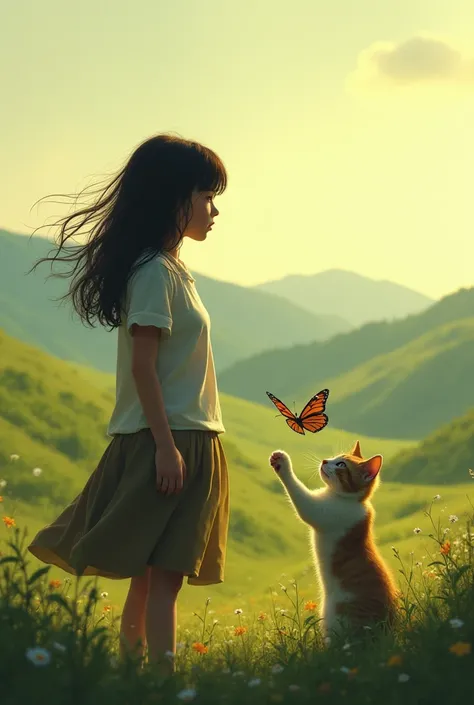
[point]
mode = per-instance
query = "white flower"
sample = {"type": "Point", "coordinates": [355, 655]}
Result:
{"type": "Point", "coordinates": [346, 646]}
{"type": "Point", "coordinates": [403, 678]}
{"type": "Point", "coordinates": [3, 483]}
{"type": "Point", "coordinates": [283, 612]}
{"type": "Point", "coordinates": [283, 588]}
{"type": "Point", "coordinates": [226, 670]}
{"type": "Point", "coordinates": [453, 518]}
{"type": "Point", "coordinates": [38, 656]}
{"type": "Point", "coordinates": [215, 621]}
{"type": "Point", "coordinates": [58, 646]}
{"type": "Point", "coordinates": [277, 668]}
{"type": "Point", "coordinates": [238, 611]}
{"type": "Point", "coordinates": [437, 496]}
{"type": "Point", "coordinates": [366, 626]}
{"type": "Point", "coordinates": [445, 531]}
{"type": "Point", "coordinates": [104, 595]}
{"type": "Point", "coordinates": [187, 694]}
{"type": "Point", "coordinates": [294, 688]}
{"type": "Point", "coordinates": [14, 457]}
{"type": "Point", "coordinates": [37, 472]}
{"type": "Point", "coordinates": [238, 673]}
{"type": "Point", "coordinates": [417, 530]}
{"type": "Point", "coordinates": [456, 623]}
{"type": "Point", "coordinates": [418, 564]}
{"type": "Point", "coordinates": [208, 600]}
{"type": "Point", "coordinates": [254, 682]}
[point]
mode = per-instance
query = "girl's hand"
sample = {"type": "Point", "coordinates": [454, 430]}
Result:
{"type": "Point", "coordinates": [170, 470]}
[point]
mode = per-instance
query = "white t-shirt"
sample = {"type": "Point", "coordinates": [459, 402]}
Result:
{"type": "Point", "coordinates": [162, 293]}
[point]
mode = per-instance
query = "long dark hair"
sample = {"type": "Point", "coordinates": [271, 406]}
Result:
{"type": "Point", "coordinates": [136, 217]}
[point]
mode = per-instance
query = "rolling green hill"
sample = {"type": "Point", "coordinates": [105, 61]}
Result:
{"type": "Point", "coordinates": [303, 367]}
{"type": "Point", "coordinates": [29, 311]}
{"type": "Point", "coordinates": [444, 457]}
{"type": "Point", "coordinates": [409, 392]}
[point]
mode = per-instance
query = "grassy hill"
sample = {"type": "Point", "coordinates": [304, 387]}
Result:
{"type": "Point", "coordinates": [303, 367]}
{"type": "Point", "coordinates": [54, 417]}
{"type": "Point", "coordinates": [409, 392]}
{"type": "Point", "coordinates": [29, 311]}
{"type": "Point", "coordinates": [356, 298]}
{"type": "Point", "coordinates": [444, 457]}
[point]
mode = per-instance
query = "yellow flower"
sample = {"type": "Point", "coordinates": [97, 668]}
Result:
{"type": "Point", "coordinates": [239, 631]}
{"type": "Point", "coordinates": [9, 522]}
{"type": "Point", "coordinates": [310, 605]}
{"type": "Point", "coordinates": [460, 648]}
{"type": "Point", "coordinates": [395, 660]}
{"type": "Point", "coordinates": [199, 647]}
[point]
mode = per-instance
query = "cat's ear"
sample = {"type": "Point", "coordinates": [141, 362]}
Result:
{"type": "Point", "coordinates": [356, 450]}
{"type": "Point", "coordinates": [371, 468]}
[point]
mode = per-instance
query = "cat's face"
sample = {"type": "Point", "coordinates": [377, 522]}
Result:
{"type": "Point", "coordinates": [349, 474]}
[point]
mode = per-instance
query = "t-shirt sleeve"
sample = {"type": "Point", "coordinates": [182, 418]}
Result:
{"type": "Point", "coordinates": [150, 294]}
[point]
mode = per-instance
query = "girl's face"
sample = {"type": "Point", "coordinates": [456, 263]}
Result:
{"type": "Point", "coordinates": [203, 214]}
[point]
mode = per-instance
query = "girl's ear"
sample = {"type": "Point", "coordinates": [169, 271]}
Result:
{"type": "Point", "coordinates": [371, 468]}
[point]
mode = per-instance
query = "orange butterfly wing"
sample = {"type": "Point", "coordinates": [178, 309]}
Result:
{"type": "Point", "coordinates": [282, 408]}
{"type": "Point", "coordinates": [295, 426]}
{"type": "Point", "coordinates": [313, 417]}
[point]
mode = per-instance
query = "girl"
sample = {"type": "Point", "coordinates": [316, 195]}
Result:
{"type": "Point", "coordinates": [156, 507]}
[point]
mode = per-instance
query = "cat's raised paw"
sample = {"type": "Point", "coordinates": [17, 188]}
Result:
{"type": "Point", "coordinates": [280, 461]}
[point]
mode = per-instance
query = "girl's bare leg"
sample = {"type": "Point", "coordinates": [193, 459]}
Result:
{"type": "Point", "coordinates": [133, 623]}
{"type": "Point", "coordinates": [161, 614]}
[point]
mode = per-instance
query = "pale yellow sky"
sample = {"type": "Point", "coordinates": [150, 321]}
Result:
{"type": "Point", "coordinates": [346, 127]}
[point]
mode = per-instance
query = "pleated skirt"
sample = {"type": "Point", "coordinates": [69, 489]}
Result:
{"type": "Point", "coordinates": [120, 523]}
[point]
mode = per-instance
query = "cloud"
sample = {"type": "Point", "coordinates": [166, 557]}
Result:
{"type": "Point", "coordinates": [421, 59]}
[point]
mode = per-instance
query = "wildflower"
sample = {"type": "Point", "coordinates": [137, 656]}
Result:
{"type": "Point", "coordinates": [471, 473]}
{"type": "Point", "coordinates": [346, 646]}
{"type": "Point", "coordinates": [9, 522]}
{"type": "Point", "coordinates": [239, 631]}
{"type": "Point", "coordinates": [445, 531]}
{"type": "Point", "coordinates": [417, 530]}
{"type": "Point", "coordinates": [14, 457]}
{"type": "Point", "coordinates": [284, 589]}
{"type": "Point", "coordinates": [38, 656]}
{"type": "Point", "coordinates": [208, 599]}
{"type": "Point", "coordinates": [418, 564]}
{"type": "Point", "coordinates": [262, 617]}
{"type": "Point", "coordinates": [310, 606]}
{"type": "Point", "coordinates": [58, 646]}
{"type": "Point", "coordinates": [367, 628]}
{"type": "Point", "coordinates": [215, 621]}
{"type": "Point", "coordinates": [200, 648]}
{"type": "Point", "coordinates": [456, 623]}
{"type": "Point", "coordinates": [54, 584]}
{"type": "Point", "coordinates": [277, 668]}
{"type": "Point", "coordinates": [107, 608]}
{"type": "Point", "coordinates": [1, 498]}
{"type": "Point", "coordinates": [104, 595]}
{"type": "Point", "coordinates": [445, 548]}
{"type": "Point", "coordinates": [294, 688]}
{"type": "Point", "coordinates": [238, 673]}
{"type": "Point", "coordinates": [238, 611]}
{"type": "Point", "coordinates": [254, 682]}
{"type": "Point", "coordinates": [3, 483]}
{"type": "Point", "coordinates": [187, 694]}
{"type": "Point", "coordinates": [437, 496]}
{"type": "Point", "coordinates": [283, 612]}
{"type": "Point", "coordinates": [394, 660]}
{"type": "Point", "coordinates": [37, 472]}
{"type": "Point", "coordinates": [453, 518]}
{"type": "Point", "coordinates": [403, 678]}
{"type": "Point", "coordinates": [460, 648]}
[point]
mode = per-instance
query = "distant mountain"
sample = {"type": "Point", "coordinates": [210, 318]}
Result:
{"type": "Point", "coordinates": [410, 392]}
{"type": "Point", "coordinates": [286, 372]}
{"type": "Point", "coordinates": [352, 296]}
{"type": "Point", "coordinates": [244, 321]}
{"type": "Point", "coordinates": [444, 458]}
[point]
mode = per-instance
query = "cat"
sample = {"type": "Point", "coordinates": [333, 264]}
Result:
{"type": "Point", "coordinates": [357, 587]}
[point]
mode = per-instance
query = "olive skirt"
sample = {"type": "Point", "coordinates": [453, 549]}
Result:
{"type": "Point", "coordinates": [120, 523]}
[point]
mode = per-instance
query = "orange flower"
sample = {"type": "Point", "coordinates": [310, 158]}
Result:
{"type": "Point", "coordinates": [54, 584]}
{"type": "Point", "coordinates": [239, 631]}
{"type": "Point", "coordinates": [262, 617]}
{"type": "Point", "coordinates": [107, 608]}
{"type": "Point", "coordinates": [200, 648]}
{"type": "Point", "coordinates": [9, 522]}
{"type": "Point", "coordinates": [1, 499]}
{"type": "Point", "coordinates": [395, 660]}
{"type": "Point", "coordinates": [310, 605]}
{"type": "Point", "coordinates": [324, 687]}
{"type": "Point", "coordinates": [460, 648]}
{"type": "Point", "coordinates": [445, 548]}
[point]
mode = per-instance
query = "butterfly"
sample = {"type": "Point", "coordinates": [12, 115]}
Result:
{"type": "Point", "coordinates": [312, 418]}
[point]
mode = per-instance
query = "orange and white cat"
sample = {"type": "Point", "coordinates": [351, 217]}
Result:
{"type": "Point", "coordinates": [357, 587]}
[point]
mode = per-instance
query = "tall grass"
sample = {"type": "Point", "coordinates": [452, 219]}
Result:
{"type": "Point", "coordinates": [59, 641]}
